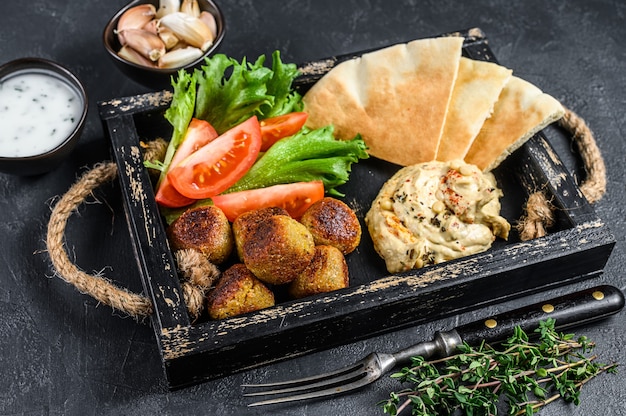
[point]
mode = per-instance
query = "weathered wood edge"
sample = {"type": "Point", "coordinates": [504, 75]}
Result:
{"type": "Point", "coordinates": [154, 257]}
{"type": "Point", "coordinates": [135, 104]}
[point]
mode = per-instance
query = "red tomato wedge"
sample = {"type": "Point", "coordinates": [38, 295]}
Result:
{"type": "Point", "coordinates": [294, 197]}
{"type": "Point", "coordinates": [275, 128]}
{"type": "Point", "coordinates": [216, 166]}
{"type": "Point", "coordinates": [168, 196]}
{"type": "Point", "coordinates": [199, 133]}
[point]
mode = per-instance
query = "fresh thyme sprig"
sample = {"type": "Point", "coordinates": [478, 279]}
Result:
{"type": "Point", "coordinates": [528, 375]}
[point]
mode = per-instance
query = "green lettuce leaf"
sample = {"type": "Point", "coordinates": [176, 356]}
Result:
{"type": "Point", "coordinates": [251, 89]}
{"type": "Point", "coordinates": [306, 156]}
{"type": "Point", "coordinates": [179, 115]}
{"type": "Point", "coordinates": [279, 86]}
{"type": "Point", "coordinates": [227, 101]}
{"type": "Point", "coordinates": [225, 92]}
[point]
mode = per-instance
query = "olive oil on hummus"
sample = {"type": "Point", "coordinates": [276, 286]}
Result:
{"type": "Point", "coordinates": [433, 212]}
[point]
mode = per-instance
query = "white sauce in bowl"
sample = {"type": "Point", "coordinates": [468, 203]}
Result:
{"type": "Point", "coordinates": [38, 111]}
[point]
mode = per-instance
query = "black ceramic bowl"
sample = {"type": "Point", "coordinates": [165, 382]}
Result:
{"type": "Point", "coordinates": [16, 157]}
{"type": "Point", "coordinates": [158, 78]}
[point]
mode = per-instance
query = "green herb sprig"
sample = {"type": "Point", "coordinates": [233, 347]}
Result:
{"type": "Point", "coordinates": [528, 375]}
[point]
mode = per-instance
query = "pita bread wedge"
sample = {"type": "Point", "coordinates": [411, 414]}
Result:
{"type": "Point", "coordinates": [521, 111]}
{"type": "Point", "coordinates": [475, 92]}
{"type": "Point", "coordinates": [396, 98]}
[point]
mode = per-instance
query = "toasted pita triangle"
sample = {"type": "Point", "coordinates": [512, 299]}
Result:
{"type": "Point", "coordinates": [521, 111]}
{"type": "Point", "coordinates": [396, 98]}
{"type": "Point", "coordinates": [475, 92]}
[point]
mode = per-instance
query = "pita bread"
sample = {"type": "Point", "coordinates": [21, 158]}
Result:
{"type": "Point", "coordinates": [521, 111]}
{"type": "Point", "coordinates": [478, 85]}
{"type": "Point", "coordinates": [396, 98]}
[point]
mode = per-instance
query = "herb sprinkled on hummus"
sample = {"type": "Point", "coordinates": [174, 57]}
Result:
{"type": "Point", "coordinates": [436, 211]}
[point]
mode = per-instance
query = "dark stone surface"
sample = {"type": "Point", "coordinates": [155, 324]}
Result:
{"type": "Point", "coordinates": [61, 353]}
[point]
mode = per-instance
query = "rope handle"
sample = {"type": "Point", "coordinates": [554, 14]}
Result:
{"type": "Point", "coordinates": [539, 211]}
{"type": "Point", "coordinates": [198, 274]}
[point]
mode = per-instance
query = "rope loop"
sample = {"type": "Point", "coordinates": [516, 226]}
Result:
{"type": "Point", "coordinates": [197, 272]}
{"type": "Point", "coordinates": [539, 211]}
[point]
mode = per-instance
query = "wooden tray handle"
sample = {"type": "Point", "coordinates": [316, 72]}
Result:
{"type": "Point", "coordinates": [539, 212]}
{"type": "Point", "coordinates": [198, 274]}
{"type": "Point", "coordinates": [594, 185]}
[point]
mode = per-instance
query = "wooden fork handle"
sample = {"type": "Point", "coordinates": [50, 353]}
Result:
{"type": "Point", "coordinates": [569, 310]}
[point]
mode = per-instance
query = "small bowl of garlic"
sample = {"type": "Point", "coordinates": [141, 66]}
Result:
{"type": "Point", "coordinates": [151, 40]}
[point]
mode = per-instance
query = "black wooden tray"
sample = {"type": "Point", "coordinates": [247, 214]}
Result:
{"type": "Point", "coordinates": [577, 248]}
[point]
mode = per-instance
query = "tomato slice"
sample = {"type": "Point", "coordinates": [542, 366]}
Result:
{"type": "Point", "coordinates": [168, 196]}
{"type": "Point", "coordinates": [294, 197]}
{"type": "Point", "coordinates": [216, 166]}
{"type": "Point", "coordinates": [198, 134]}
{"type": "Point", "coordinates": [275, 128]}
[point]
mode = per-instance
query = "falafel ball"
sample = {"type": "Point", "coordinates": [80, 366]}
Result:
{"type": "Point", "coordinates": [333, 223]}
{"type": "Point", "coordinates": [277, 249]}
{"type": "Point", "coordinates": [327, 271]}
{"type": "Point", "coordinates": [245, 223]}
{"type": "Point", "coordinates": [205, 229]}
{"type": "Point", "coordinates": [237, 292]}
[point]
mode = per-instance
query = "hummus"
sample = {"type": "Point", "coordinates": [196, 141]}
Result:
{"type": "Point", "coordinates": [436, 211]}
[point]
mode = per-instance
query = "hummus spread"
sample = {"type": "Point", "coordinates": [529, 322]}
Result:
{"type": "Point", "coordinates": [436, 211]}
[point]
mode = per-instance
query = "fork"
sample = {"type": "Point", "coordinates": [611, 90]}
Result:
{"type": "Point", "coordinates": [568, 310]}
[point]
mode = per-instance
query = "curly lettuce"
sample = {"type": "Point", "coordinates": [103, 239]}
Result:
{"type": "Point", "coordinates": [226, 92]}
{"type": "Point", "coordinates": [308, 155]}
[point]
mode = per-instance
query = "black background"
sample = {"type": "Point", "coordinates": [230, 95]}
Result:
{"type": "Point", "coordinates": [61, 353]}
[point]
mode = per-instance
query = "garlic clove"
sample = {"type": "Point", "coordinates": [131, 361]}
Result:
{"type": "Point", "coordinates": [152, 26]}
{"type": "Point", "coordinates": [166, 7]}
{"type": "Point", "coordinates": [191, 29]}
{"type": "Point", "coordinates": [190, 7]}
{"type": "Point", "coordinates": [136, 17]}
{"type": "Point", "coordinates": [146, 43]}
{"type": "Point", "coordinates": [168, 37]}
{"type": "Point", "coordinates": [179, 57]}
{"type": "Point", "coordinates": [180, 45]}
{"type": "Point", "coordinates": [129, 54]}
{"type": "Point", "coordinates": [209, 20]}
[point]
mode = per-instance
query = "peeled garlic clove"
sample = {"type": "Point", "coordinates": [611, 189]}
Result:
{"type": "Point", "coordinates": [191, 29]}
{"type": "Point", "coordinates": [190, 7]}
{"type": "Point", "coordinates": [209, 20]}
{"type": "Point", "coordinates": [168, 37]}
{"type": "Point", "coordinates": [136, 17]}
{"type": "Point", "coordinates": [146, 43]}
{"type": "Point", "coordinates": [166, 7]}
{"type": "Point", "coordinates": [180, 45]}
{"type": "Point", "coordinates": [129, 54]}
{"type": "Point", "coordinates": [179, 57]}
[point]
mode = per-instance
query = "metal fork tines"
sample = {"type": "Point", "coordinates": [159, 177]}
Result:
{"type": "Point", "coordinates": [343, 380]}
{"type": "Point", "coordinates": [357, 375]}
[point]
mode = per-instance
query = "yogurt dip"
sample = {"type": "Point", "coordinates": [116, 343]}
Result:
{"type": "Point", "coordinates": [433, 212]}
{"type": "Point", "coordinates": [38, 112]}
